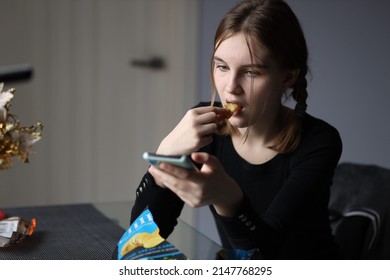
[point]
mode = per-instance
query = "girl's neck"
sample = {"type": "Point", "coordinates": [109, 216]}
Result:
{"type": "Point", "coordinates": [265, 130]}
{"type": "Point", "coordinates": [254, 146]}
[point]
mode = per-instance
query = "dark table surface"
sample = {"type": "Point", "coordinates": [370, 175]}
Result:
{"type": "Point", "coordinates": [65, 232]}
{"type": "Point", "coordinates": [91, 232]}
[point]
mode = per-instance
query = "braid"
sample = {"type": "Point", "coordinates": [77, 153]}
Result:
{"type": "Point", "coordinates": [299, 94]}
{"type": "Point", "coordinates": [290, 135]}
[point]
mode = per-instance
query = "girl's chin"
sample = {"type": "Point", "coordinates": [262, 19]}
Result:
{"type": "Point", "coordinates": [237, 123]}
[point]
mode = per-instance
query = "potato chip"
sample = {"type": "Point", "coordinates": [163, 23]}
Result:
{"type": "Point", "coordinates": [232, 107]}
{"type": "Point", "coordinates": [135, 241]}
{"type": "Point", "coordinates": [153, 241]}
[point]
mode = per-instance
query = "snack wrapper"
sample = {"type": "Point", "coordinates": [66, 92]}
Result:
{"type": "Point", "coordinates": [14, 229]}
{"type": "Point", "coordinates": [142, 241]}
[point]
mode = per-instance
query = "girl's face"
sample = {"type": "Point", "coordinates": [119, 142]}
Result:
{"type": "Point", "coordinates": [258, 84]}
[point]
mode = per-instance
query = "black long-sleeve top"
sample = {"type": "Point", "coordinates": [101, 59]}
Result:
{"type": "Point", "coordinates": [285, 210]}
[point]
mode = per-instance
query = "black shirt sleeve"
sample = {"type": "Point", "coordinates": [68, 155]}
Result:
{"type": "Point", "coordinates": [164, 205]}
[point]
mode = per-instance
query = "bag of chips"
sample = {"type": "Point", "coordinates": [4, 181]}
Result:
{"type": "Point", "coordinates": [142, 241]}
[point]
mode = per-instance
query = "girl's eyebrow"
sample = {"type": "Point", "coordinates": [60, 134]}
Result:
{"type": "Point", "coordinates": [219, 59]}
{"type": "Point", "coordinates": [261, 66]}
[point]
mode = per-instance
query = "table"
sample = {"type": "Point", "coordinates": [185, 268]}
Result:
{"type": "Point", "coordinates": [91, 231]}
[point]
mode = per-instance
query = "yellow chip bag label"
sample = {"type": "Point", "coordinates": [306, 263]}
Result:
{"type": "Point", "coordinates": [143, 241]}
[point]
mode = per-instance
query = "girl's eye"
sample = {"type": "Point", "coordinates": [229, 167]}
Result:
{"type": "Point", "coordinates": [223, 68]}
{"type": "Point", "coordinates": [251, 73]}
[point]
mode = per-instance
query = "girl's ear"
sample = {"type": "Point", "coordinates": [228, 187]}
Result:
{"type": "Point", "coordinates": [290, 78]}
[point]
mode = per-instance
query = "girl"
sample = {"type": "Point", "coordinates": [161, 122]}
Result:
{"type": "Point", "coordinates": [266, 171]}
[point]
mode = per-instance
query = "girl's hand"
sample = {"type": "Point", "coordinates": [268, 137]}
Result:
{"type": "Point", "coordinates": [193, 132]}
{"type": "Point", "coordinates": [208, 186]}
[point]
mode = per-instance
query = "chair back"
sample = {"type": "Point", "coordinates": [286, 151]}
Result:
{"type": "Point", "coordinates": [359, 210]}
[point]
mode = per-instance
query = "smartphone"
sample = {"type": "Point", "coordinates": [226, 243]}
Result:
{"type": "Point", "coordinates": [181, 161]}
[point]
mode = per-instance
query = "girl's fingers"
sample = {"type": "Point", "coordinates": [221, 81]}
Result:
{"type": "Point", "coordinates": [207, 129]}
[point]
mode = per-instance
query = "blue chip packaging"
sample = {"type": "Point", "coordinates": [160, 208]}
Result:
{"type": "Point", "coordinates": [142, 241]}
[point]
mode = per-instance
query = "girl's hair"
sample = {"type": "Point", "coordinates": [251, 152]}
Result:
{"type": "Point", "coordinates": [273, 24]}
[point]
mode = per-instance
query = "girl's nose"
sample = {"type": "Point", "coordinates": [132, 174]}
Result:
{"type": "Point", "coordinates": [233, 86]}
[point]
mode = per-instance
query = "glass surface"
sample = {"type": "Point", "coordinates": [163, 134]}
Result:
{"type": "Point", "coordinates": [186, 238]}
